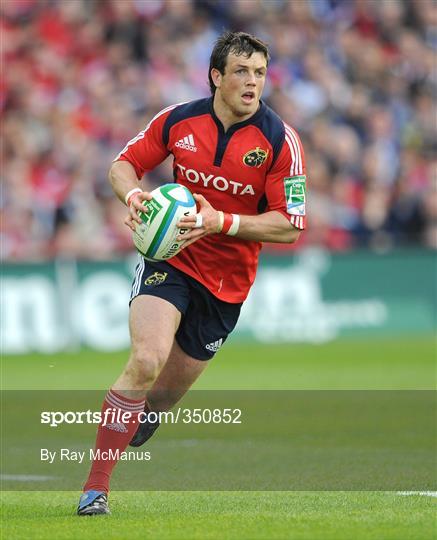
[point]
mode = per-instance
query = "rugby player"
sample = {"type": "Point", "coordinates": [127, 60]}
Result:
{"type": "Point", "coordinates": [246, 169]}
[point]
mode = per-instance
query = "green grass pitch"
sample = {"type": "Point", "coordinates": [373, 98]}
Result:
{"type": "Point", "coordinates": [343, 365]}
{"type": "Point", "coordinates": [224, 515]}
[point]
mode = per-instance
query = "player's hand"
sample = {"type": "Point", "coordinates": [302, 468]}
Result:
{"type": "Point", "coordinates": [136, 205]}
{"type": "Point", "coordinates": [210, 222]}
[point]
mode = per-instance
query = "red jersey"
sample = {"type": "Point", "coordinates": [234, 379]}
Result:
{"type": "Point", "coordinates": [256, 166]}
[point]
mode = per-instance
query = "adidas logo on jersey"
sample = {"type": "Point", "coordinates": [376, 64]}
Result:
{"type": "Point", "coordinates": [215, 345]}
{"type": "Point", "coordinates": [187, 143]}
{"type": "Point", "coordinates": [121, 428]}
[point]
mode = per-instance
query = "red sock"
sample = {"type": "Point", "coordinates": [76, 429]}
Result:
{"type": "Point", "coordinates": [114, 435]}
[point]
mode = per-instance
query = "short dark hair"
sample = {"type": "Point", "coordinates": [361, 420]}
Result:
{"type": "Point", "coordinates": [237, 43]}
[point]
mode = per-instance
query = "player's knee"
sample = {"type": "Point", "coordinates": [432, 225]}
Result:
{"type": "Point", "coordinates": [141, 373]}
{"type": "Point", "coordinates": [145, 364]}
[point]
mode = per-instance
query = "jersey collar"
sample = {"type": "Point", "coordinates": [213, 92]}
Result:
{"type": "Point", "coordinates": [252, 120]}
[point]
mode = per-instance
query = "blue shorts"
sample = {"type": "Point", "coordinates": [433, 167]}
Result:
{"type": "Point", "coordinates": [206, 321]}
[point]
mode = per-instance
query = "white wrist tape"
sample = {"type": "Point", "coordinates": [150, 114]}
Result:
{"type": "Point", "coordinates": [131, 192]}
{"type": "Point", "coordinates": [235, 225]}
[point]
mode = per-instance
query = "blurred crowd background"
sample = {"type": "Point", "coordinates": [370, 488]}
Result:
{"type": "Point", "coordinates": [356, 78]}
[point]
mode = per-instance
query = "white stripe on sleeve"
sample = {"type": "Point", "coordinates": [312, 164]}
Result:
{"type": "Point", "coordinates": [293, 142]}
{"type": "Point", "coordinates": [142, 133]}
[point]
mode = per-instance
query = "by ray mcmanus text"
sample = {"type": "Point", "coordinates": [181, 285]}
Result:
{"type": "Point", "coordinates": [79, 456]}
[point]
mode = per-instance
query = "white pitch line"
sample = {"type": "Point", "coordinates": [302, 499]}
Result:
{"type": "Point", "coordinates": [26, 477]}
{"type": "Point", "coordinates": [421, 493]}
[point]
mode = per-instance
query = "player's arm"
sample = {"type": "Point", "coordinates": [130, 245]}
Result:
{"type": "Point", "coordinates": [269, 227]}
{"type": "Point", "coordinates": [141, 154]}
{"type": "Point", "coordinates": [124, 182]}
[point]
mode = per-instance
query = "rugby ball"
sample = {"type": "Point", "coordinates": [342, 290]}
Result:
{"type": "Point", "coordinates": [155, 237]}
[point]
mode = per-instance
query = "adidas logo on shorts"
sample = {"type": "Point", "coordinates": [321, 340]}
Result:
{"type": "Point", "coordinates": [215, 345]}
{"type": "Point", "coordinates": [187, 143]}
